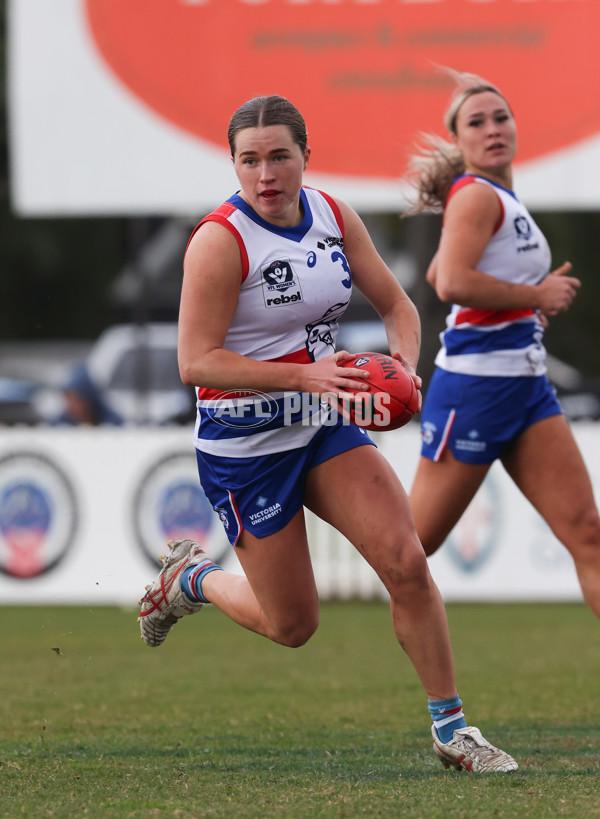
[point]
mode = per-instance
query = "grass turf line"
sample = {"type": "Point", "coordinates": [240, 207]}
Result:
{"type": "Point", "coordinates": [221, 723]}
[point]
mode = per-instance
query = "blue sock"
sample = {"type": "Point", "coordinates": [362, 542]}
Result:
{"type": "Point", "coordinates": [192, 577]}
{"type": "Point", "coordinates": [447, 716]}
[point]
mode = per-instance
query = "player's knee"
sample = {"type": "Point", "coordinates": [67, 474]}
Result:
{"type": "Point", "coordinates": [407, 572]}
{"type": "Point", "coordinates": [587, 538]}
{"type": "Point", "coordinates": [298, 632]}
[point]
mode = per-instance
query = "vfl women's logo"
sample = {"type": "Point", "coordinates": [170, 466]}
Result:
{"type": "Point", "coordinates": [38, 515]}
{"type": "Point", "coordinates": [169, 504]}
{"type": "Point", "coordinates": [523, 228]}
{"type": "Point", "coordinates": [279, 275]}
{"type": "Point", "coordinates": [278, 278]}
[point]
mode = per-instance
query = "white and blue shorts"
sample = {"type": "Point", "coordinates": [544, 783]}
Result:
{"type": "Point", "coordinates": [262, 494]}
{"type": "Point", "coordinates": [478, 417]}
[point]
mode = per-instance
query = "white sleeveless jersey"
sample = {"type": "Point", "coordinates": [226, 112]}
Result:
{"type": "Point", "coordinates": [296, 284]}
{"type": "Point", "coordinates": [500, 342]}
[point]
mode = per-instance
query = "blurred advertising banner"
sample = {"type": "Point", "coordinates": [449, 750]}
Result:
{"type": "Point", "coordinates": [86, 512]}
{"type": "Point", "coordinates": [122, 106]}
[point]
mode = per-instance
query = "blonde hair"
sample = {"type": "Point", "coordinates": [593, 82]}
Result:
{"type": "Point", "coordinates": [436, 162]}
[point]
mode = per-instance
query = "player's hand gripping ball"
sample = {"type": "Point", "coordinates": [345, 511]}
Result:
{"type": "Point", "coordinates": [389, 399]}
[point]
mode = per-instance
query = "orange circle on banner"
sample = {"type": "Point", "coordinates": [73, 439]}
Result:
{"type": "Point", "coordinates": [363, 74]}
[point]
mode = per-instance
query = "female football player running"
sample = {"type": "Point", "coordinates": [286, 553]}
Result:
{"type": "Point", "coordinates": [274, 262]}
{"type": "Point", "coordinates": [489, 398]}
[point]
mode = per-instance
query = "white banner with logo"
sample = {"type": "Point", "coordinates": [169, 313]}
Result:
{"type": "Point", "coordinates": [122, 106]}
{"type": "Point", "coordinates": [85, 513]}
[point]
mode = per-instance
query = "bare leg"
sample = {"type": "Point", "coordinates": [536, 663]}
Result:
{"type": "Point", "coordinates": [359, 494]}
{"type": "Point", "coordinates": [277, 597]}
{"type": "Point", "coordinates": [547, 466]}
{"type": "Point", "coordinates": [440, 494]}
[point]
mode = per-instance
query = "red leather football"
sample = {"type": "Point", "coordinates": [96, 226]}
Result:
{"type": "Point", "coordinates": [389, 399]}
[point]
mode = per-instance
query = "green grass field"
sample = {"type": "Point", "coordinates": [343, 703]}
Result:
{"type": "Point", "coordinates": [221, 723]}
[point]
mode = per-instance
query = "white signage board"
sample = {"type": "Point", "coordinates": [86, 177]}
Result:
{"type": "Point", "coordinates": [121, 106]}
{"type": "Point", "coordinates": [85, 513]}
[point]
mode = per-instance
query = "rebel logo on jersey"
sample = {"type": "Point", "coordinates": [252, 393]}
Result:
{"type": "Point", "coordinates": [278, 278]}
{"type": "Point", "coordinates": [193, 63]}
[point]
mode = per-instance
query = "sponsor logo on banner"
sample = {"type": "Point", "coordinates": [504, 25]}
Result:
{"type": "Point", "coordinates": [38, 515]}
{"type": "Point", "coordinates": [475, 537]}
{"type": "Point", "coordinates": [169, 504]}
{"type": "Point", "coordinates": [370, 61]}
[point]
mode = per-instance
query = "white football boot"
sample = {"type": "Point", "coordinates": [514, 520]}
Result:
{"type": "Point", "coordinates": [470, 751]}
{"type": "Point", "coordinates": [164, 603]}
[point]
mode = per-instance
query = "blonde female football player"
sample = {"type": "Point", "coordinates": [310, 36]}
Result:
{"type": "Point", "coordinates": [489, 398]}
{"type": "Point", "coordinates": [266, 278]}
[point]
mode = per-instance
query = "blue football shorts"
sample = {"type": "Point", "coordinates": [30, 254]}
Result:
{"type": "Point", "coordinates": [262, 494]}
{"type": "Point", "coordinates": [478, 417]}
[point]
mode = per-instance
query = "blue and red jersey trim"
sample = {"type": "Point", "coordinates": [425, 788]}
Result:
{"type": "Point", "coordinates": [468, 179]}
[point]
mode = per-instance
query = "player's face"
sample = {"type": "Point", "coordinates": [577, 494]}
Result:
{"type": "Point", "coordinates": [486, 133]}
{"type": "Point", "coordinates": [270, 165]}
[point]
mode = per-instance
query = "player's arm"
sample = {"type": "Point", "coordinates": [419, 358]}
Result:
{"type": "Point", "coordinates": [379, 285]}
{"type": "Point", "coordinates": [470, 219]}
{"type": "Point", "coordinates": [209, 296]}
{"type": "Point", "coordinates": [431, 275]}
